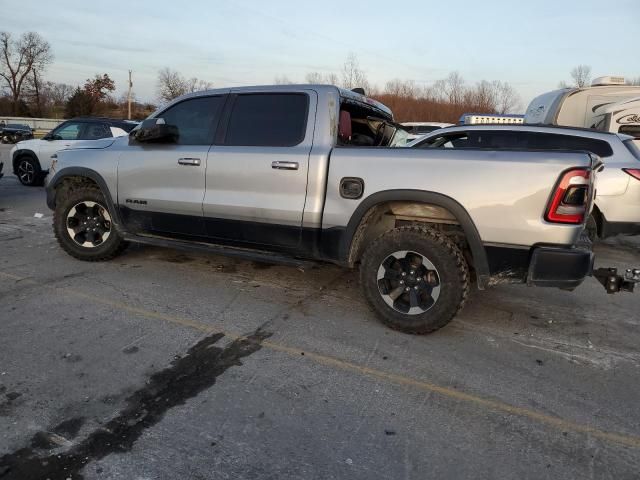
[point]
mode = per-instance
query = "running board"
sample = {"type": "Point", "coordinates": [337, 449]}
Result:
{"type": "Point", "coordinates": [236, 252]}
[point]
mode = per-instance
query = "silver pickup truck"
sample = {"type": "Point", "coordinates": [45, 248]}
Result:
{"type": "Point", "coordinates": [282, 173]}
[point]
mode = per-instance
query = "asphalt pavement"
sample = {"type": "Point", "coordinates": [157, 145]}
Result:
{"type": "Point", "coordinates": [170, 365]}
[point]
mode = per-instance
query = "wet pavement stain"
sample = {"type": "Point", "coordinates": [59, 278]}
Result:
{"type": "Point", "coordinates": [185, 378]}
{"type": "Point", "coordinates": [8, 403]}
{"type": "Point", "coordinates": [69, 428]}
{"type": "Point", "coordinates": [178, 258]}
{"type": "Point", "coordinates": [261, 265]}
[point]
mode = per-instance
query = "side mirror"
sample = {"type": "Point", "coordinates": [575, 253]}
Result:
{"type": "Point", "coordinates": [155, 130]}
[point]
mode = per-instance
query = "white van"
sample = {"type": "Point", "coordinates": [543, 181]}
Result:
{"type": "Point", "coordinates": [608, 105]}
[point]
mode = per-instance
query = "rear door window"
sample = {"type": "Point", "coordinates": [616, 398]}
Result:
{"type": "Point", "coordinates": [453, 140]}
{"type": "Point", "coordinates": [498, 139]}
{"type": "Point", "coordinates": [512, 140]}
{"type": "Point", "coordinates": [550, 141]}
{"type": "Point", "coordinates": [268, 120]}
{"type": "Point", "coordinates": [95, 131]}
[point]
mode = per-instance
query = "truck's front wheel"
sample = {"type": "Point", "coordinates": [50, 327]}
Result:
{"type": "Point", "coordinates": [84, 228]}
{"type": "Point", "coordinates": [415, 278]}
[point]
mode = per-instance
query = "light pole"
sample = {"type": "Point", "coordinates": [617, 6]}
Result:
{"type": "Point", "coordinates": [129, 96]}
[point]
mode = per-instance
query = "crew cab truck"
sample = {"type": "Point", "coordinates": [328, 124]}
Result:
{"type": "Point", "coordinates": [281, 173]}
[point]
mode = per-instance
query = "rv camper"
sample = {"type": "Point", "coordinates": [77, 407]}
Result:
{"type": "Point", "coordinates": [609, 104]}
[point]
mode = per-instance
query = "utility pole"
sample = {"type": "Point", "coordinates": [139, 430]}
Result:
{"type": "Point", "coordinates": [129, 95]}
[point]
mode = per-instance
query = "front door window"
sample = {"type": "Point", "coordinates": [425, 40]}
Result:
{"type": "Point", "coordinates": [70, 131]}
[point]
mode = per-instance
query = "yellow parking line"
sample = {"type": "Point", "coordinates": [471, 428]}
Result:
{"type": "Point", "coordinates": [495, 405]}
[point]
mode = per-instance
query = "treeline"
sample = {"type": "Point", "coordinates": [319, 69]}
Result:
{"type": "Point", "coordinates": [24, 91]}
{"type": "Point", "coordinates": [443, 101]}
{"type": "Point", "coordinates": [447, 99]}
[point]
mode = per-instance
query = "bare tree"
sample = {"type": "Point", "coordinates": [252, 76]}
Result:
{"type": "Point", "coordinates": [171, 84]}
{"type": "Point", "coordinates": [485, 95]}
{"type": "Point", "coordinates": [352, 76]}
{"type": "Point", "coordinates": [507, 99]}
{"type": "Point", "coordinates": [283, 80]}
{"type": "Point", "coordinates": [20, 58]}
{"type": "Point", "coordinates": [319, 78]}
{"type": "Point", "coordinates": [59, 93]}
{"type": "Point", "coordinates": [437, 92]}
{"type": "Point", "coordinates": [581, 75]}
{"type": "Point", "coordinates": [197, 85]}
{"type": "Point", "coordinates": [34, 88]}
{"type": "Point", "coordinates": [401, 88]}
{"type": "Point", "coordinates": [454, 88]}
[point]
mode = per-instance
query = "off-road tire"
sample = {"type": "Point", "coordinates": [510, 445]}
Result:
{"type": "Point", "coordinates": [442, 252]}
{"type": "Point", "coordinates": [110, 248]}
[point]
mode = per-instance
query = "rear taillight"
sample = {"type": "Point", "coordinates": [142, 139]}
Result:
{"type": "Point", "coordinates": [570, 200]}
{"type": "Point", "coordinates": [634, 172]}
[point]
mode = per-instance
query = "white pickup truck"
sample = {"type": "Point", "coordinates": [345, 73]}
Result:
{"type": "Point", "coordinates": [283, 173]}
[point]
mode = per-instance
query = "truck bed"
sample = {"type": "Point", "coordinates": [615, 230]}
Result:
{"type": "Point", "coordinates": [520, 184]}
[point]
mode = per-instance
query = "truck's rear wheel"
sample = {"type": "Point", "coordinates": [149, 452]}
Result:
{"type": "Point", "coordinates": [415, 278]}
{"type": "Point", "coordinates": [84, 228]}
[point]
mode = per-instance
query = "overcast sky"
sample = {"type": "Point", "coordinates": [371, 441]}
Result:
{"type": "Point", "coordinates": [531, 44]}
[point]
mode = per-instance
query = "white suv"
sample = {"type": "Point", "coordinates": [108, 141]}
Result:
{"type": "Point", "coordinates": [31, 158]}
{"type": "Point", "coordinates": [418, 129]}
{"type": "Point", "coordinates": [617, 204]}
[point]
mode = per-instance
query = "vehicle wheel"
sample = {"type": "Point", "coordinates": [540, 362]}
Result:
{"type": "Point", "coordinates": [83, 226]}
{"type": "Point", "coordinates": [592, 228]}
{"type": "Point", "coordinates": [415, 278]}
{"type": "Point", "coordinates": [29, 172]}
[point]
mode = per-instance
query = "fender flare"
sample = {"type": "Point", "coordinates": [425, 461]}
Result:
{"type": "Point", "coordinates": [60, 176]}
{"type": "Point", "coordinates": [23, 152]}
{"type": "Point", "coordinates": [480, 261]}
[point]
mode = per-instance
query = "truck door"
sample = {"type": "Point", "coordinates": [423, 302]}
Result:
{"type": "Point", "coordinates": [161, 186]}
{"type": "Point", "coordinates": [256, 178]}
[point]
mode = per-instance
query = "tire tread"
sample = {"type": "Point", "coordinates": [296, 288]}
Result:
{"type": "Point", "coordinates": [79, 194]}
{"type": "Point", "coordinates": [432, 235]}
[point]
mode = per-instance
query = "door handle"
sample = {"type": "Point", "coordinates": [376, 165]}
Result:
{"type": "Point", "coordinates": [189, 161]}
{"type": "Point", "coordinates": [284, 165]}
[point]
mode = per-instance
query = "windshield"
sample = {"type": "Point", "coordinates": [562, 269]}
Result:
{"type": "Point", "coordinates": [400, 138]}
